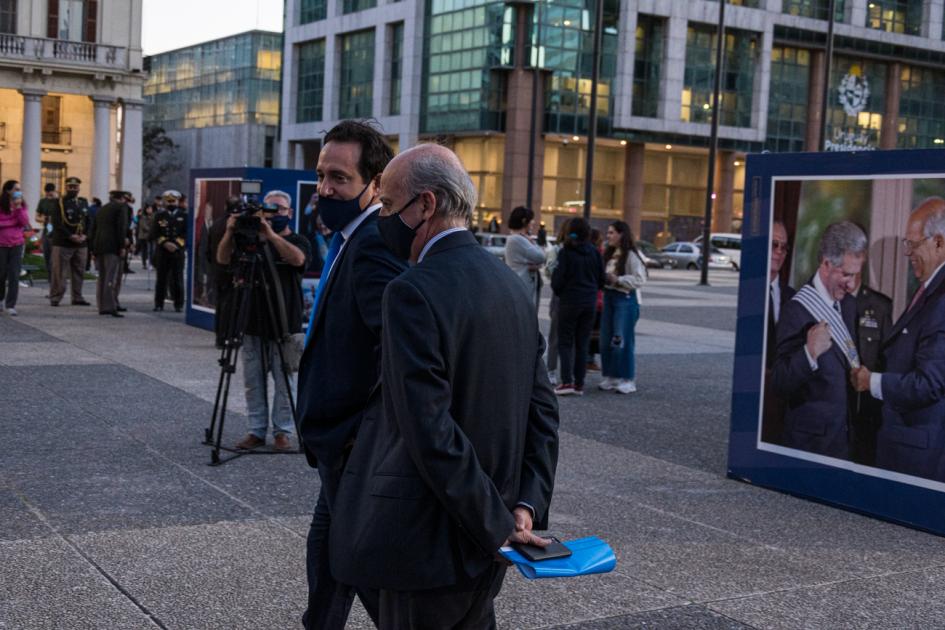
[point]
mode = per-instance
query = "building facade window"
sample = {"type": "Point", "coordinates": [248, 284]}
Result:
{"type": "Point", "coordinates": [568, 40]}
{"type": "Point", "coordinates": [8, 16]}
{"type": "Point", "coordinates": [751, 4]}
{"type": "Point", "coordinates": [460, 91]}
{"type": "Point", "coordinates": [396, 67]}
{"type": "Point", "coordinates": [311, 81]}
{"type": "Point", "coordinates": [647, 64]}
{"type": "Point", "coordinates": [856, 104]}
{"type": "Point", "coordinates": [921, 108]}
{"type": "Point", "coordinates": [312, 11]}
{"type": "Point", "coordinates": [357, 74]}
{"type": "Point", "coordinates": [230, 81]}
{"type": "Point", "coordinates": [817, 9]}
{"type": "Point", "coordinates": [741, 48]}
{"type": "Point", "coordinates": [895, 16]}
{"type": "Point", "coordinates": [787, 101]}
{"type": "Point", "coordinates": [53, 173]}
{"type": "Point", "coordinates": [72, 20]}
{"type": "Point", "coordinates": [353, 6]}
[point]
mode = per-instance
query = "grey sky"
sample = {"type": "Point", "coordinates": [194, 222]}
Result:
{"type": "Point", "coordinates": [170, 24]}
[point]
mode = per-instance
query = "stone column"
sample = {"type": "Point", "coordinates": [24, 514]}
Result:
{"type": "Point", "coordinates": [633, 186]}
{"type": "Point", "coordinates": [102, 147]}
{"type": "Point", "coordinates": [815, 99]}
{"type": "Point", "coordinates": [31, 164]}
{"type": "Point", "coordinates": [131, 147]}
{"type": "Point", "coordinates": [725, 190]}
{"type": "Point", "coordinates": [889, 133]}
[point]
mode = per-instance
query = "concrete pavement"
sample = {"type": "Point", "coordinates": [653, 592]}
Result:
{"type": "Point", "coordinates": [110, 517]}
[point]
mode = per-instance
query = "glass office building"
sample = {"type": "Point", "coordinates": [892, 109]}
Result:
{"type": "Point", "coordinates": [461, 74]}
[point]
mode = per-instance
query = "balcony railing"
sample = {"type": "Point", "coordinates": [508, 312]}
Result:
{"type": "Point", "coordinates": [61, 137]}
{"type": "Point", "coordinates": [41, 50]}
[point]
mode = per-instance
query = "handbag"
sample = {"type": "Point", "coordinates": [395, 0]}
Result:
{"type": "Point", "coordinates": [588, 556]}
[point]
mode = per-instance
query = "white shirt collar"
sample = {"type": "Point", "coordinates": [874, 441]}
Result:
{"type": "Point", "coordinates": [433, 240]}
{"type": "Point", "coordinates": [349, 229]}
{"type": "Point", "coordinates": [822, 290]}
{"type": "Point", "coordinates": [934, 273]}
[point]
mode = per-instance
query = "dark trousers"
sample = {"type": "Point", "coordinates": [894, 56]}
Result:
{"type": "Point", "coordinates": [466, 606]}
{"type": "Point", "coordinates": [10, 260]}
{"type": "Point", "coordinates": [109, 276]}
{"type": "Point", "coordinates": [170, 274]}
{"type": "Point", "coordinates": [574, 333]}
{"type": "Point", "coordinates": [329, 602]}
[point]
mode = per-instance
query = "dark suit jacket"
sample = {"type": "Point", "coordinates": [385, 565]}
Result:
{"type": "Point", "coordinates": [107, 234]}
{"type": "Point", "coordinates": [341, 364]}
{"type": "Point", "coordinates": [911, 439]}
{"type": "Point", "coordinates": [772, 337]}
{"type": "Point", "coordinates": [818, 402]}
{"type": "Point", "coordinates": [468, 427]}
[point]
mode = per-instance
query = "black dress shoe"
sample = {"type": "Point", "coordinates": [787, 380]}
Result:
{"type": "Point", "coordinates": [81, 303]}
{"type": "Point", "coordinates": [157, 308]}
{"type": "Point", "coordinates": [116, 314]}
{"type": "Point", "coordinates": [129, 271]}
{"type": "Point", "coordinates": [121, 309]}
{"type": "Point", "coordinates": [177, 309]}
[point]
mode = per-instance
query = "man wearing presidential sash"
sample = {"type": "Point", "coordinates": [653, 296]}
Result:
{"type": "Point", "coordinates": [816, 349]}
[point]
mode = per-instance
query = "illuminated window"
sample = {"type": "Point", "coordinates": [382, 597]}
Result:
{"type": "Point", "coordinates": [737, 78]}
{"type": "Point", "coordinates": [895, 16]}
{"type": "Point", "coordinates": [921, 108]}
{"type": "Point", "coordinates": [646, 65]}
{"type": "Point", "coordinates": [856, 103]}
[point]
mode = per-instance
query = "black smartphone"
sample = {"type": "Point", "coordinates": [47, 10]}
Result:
{"type": "Point", "coordinates": [537, 554]}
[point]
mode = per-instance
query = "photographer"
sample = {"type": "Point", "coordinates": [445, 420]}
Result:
{"type": "Point", "coordinates": [290, 253]}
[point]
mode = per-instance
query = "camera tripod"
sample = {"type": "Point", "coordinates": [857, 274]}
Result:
{"type": "Point", "coordinates": [255, 269]}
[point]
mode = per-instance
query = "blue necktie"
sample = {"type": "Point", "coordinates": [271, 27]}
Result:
{"type": "Point", "coordinates": [337, 240]}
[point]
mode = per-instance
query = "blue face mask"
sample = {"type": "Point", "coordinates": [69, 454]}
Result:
{"type": "Point", "coordinates": [279, 223]}
{"type": "Point", "coordinates": [337, 213]}
{"type": "Point", "coordinates": [17, 194]}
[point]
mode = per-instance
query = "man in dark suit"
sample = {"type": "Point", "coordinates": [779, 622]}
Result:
{"type": "Point", "coordinates": [341, 362]}
{"type": "Point", "coordinates": [458, 456]}
{"type": "Point", "coordinates": [779, 293]}
{"type": "Point", "coordinates": [107, 244]}
{"type": "Point", "coordinates": [816, 347]}
{"type": "Point", "coordinates": [873, 322]}
{"type": "Point", "coordinates": [911, 439]}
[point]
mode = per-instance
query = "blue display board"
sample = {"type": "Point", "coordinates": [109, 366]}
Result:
{"type": "Point", "coordinates": [807, 193]}
{"type": "Point", "coordinates": [208, 191]}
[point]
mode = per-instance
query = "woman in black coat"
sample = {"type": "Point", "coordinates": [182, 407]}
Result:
{"type": "Point", "coordinates": [577, 278]}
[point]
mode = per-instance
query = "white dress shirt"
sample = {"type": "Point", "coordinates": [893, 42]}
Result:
{"type": "Point", "coordinates": [433, 240]}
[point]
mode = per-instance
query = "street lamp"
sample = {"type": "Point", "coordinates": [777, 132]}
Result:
{"type": "Point", "coordinates": [592, 132]}
{"type": "Point", "coordinates": [713, 146]}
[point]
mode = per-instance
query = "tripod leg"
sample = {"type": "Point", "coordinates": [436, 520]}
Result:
{"type": "Point", "coordinates": [227, 364]}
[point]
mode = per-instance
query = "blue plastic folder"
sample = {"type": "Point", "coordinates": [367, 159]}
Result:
{"type": "Point", "coordinates": [588, 556]}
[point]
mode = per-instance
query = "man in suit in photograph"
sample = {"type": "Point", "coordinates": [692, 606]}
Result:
{"type": "Point", "coordinates": [911, 439]}
{"type": "Point", "coordinates": [341, 361]}
{"type": "Point", "coordinates": [816, 347]}
{"type": "Point", "coordinates": [458, 456]}
{"type": "Point", "coordinates": [779, 293]}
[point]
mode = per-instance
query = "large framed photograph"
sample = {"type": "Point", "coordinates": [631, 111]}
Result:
{"type": "Point", "coordinates": [839, 387]}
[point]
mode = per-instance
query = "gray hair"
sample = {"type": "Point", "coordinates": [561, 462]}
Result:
{"type": "Point", "coordinates": [449, 182]}
{"type": "Point", "coordinates": [842, 238]}
{"type": "Point", "coordinates": [935, 223]}
{"type": "Point", "coordinates": [279, 193]}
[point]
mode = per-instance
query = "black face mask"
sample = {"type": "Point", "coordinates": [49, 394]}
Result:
{"type": "Point", "coordinates": [71, 194]}
{"type": "Point", "coordinates": [397, 235]}
{"type": "Point", "coordinates": [337, 213]}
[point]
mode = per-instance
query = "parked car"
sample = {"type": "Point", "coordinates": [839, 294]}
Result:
{"type": "Point", "coordinates": [494, 243]}
{"type": "Point", "coordinates": [729, 244]}
{"type": "Point", "coordinates": [653, 258]}
{"type": "Point", "coordinates": [689, 256]}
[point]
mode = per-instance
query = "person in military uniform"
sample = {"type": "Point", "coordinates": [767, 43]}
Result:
{"type": "Point", "coordinates": [107, 240]}
{"type": "Point", "coordinates": [70, 237]}
{"type": "Point", "coordinates": [170, 230]}
{"type": "Point", "coordinates": [873, 322]}
{"type": "Point", "coordinates": [127, 199]}
{"type": "Point", "coordinates": [47, 206]}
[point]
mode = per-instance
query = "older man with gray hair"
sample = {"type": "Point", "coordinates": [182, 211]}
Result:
{"type": "Point", "coordinates": [459, 455]}
{"type": "Point", "coordinates": [284, 256]}
{"type": "Point", "coordinates": [911, 439]}
{"type": "Point", "coordinates": [816, 349]}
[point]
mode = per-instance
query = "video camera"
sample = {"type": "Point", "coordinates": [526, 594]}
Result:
{"type": "Point", "coordinates": [248, 222]}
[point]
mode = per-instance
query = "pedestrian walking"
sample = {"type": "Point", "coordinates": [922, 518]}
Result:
{"type": "Point", "coordinates": [14, 218]}
{"type": "Point", "coordinates": [578, 276]}
{"type": "Point", "coordinates": [551, 361]}
{"type": "Point", "coordinates": [522, 255]}
{"type": "Point", "coordinates": [624, 276]}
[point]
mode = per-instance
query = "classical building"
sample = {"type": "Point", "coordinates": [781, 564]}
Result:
{"type": "Point", "coordinates": [70, 94]}
{"type": "Point", "coordinates": [462, 72]}
{"type": "Point", "coordinates": [218, 101]}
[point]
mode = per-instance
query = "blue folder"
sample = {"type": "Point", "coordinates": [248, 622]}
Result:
{"type": "Point", "coordinates": [588, 556]}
